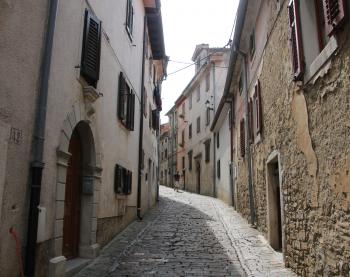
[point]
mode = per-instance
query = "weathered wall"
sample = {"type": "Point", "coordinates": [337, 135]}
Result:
{"type": "Point", "coordinates": [22, 25]}
{"type": "Point", "coordinates": [309, 126]}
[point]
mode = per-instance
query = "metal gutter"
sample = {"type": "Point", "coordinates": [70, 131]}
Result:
{"type": "Point", "coordinates": [37, 164]}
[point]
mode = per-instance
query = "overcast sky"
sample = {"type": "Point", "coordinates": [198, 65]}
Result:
{"type": "Point", "coordinates": [187, 23]}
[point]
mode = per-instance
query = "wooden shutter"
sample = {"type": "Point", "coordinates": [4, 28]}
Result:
{"type": "Point", "coordinates": [131, 112]}
{"type": "Point", "coordinates": [251, 116]}
{"type": "Point", "coordinates": [296, 40]}
{"type": "Point", "coordinates": [128, 181]}
{"type": "Point", "coordinates": [334, 14]}
{"type": "Point", "coordinates": [118, 179]}
{"type": "Point", "coordinates": [121, 98]}
{"type": "Point", "coordinates": [242, 137]}
{"type": "Point", "coordinates": [90, 58]}
{"type": "Point", "coordinates": [258, 107]}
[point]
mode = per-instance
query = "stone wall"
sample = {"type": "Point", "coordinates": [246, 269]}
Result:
{"type": "Point", "coordinates": [310, 127]}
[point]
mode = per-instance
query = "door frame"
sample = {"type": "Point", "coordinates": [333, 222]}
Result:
{"type": "Point", "coordinates": [273, 158]}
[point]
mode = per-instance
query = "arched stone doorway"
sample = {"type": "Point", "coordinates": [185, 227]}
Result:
{"type": "Point", "coordinates": [78, 180]}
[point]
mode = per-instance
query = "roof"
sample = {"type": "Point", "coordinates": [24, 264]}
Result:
{"type": "Point", "coordinates": [155, 28]}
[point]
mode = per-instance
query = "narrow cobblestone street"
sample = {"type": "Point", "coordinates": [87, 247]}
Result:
{"type": "Point", "coordinates": [188, 235]}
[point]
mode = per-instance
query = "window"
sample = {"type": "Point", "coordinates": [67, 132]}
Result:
{"type": "Point", "coordinates": [190, 153]}
{"type": "Point", "coordinates": [207, 150]}
{"type": "Point", "coordinates": [258, 108]}
{"type": "Point", "coordinates": [129, 24]}
{"type": "Point", "coordinates": [208, 116]}
{"type": "Point", "coordinates": [242, 137]}
{"type": "Point", "coordinates": [252, 44]}
{"type": "Point", "coordinates": [91, 51]}
{"type": "Point", "coordinates": [126, 103]}
{"type": "Point", "coordinates": [207, 82]}
{"type": "Point", "coordinates": [166, 153]}
{"type": "Point", "coordinates": [182, 138]}
{"type": "Point", "coordinates": [150, 116]}
{"type": "Point", "coordinates": [314, 22]}
{"type": "Point", "coordinates": [198, 63]}
{"type": "Point", "coordinates": [198, 124]}
{"type": "Point", "coordinates": [198, 92]}
{"type": "Point", "coordinates": [155, 119]}
{"type": "Point", "coordinates": [183, 162]}
{"type": "Point", "coordinates": [190, 131]}
{"type": "Point", "coordinates": [122, 180]}
{"type": "Point", "coordinates": [218, 169]}
{"type": "Point", "coordinates": [190, 101]}
{"type": "Point", "coordinates": [217, 140]}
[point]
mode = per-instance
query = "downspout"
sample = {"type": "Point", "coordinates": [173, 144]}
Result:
{"type": "Point", "coordinates": [231, 114]}
{"type": "Point", "coordinates": [141, 121]}
{"type": "Point", "coordinates": [37, 164]}
{"type": "Point", "coordinates": [214, 136]}
{"type": "Point", "coordinates": [247, 135]}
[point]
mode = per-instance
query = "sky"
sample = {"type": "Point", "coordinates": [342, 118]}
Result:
{"type": "Point", "coordinates": [187, 23]}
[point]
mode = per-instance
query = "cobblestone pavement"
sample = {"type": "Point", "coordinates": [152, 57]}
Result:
{"type": "Point", "coordinates": [188, 235]}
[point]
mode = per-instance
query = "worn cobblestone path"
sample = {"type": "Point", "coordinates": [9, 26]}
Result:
{"type": "Point", "coordinates": [188, 235]}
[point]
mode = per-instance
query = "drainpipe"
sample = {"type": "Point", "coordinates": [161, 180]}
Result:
{"type": "Point", "coordinates": [247, 135]}
{"type": "Point", "coordinates": [37, 164]}
{"type": "Point", "coordinates": [141, 120]}
{"type": "Point", "coordinates": [214, 136]}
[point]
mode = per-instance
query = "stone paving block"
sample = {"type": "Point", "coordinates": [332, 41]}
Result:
{"type": "Point", "coordinates": [188, 235]}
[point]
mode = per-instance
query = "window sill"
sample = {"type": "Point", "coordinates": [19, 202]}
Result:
{"type": "Point", "coordinates": [120, 196]}
{"type": "Point", "coordinates": [315, 70]}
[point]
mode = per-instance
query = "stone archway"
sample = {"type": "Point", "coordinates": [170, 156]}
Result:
{"type": "Point", "coordinates": [90, 182]}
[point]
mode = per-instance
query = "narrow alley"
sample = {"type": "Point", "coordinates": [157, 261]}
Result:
{"type": "Point", "coordinates": [188, 235]}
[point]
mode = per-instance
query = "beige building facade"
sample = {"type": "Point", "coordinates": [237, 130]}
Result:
{"type": "Point", "coordinates": [164, 155]}
{"type": "Point", "coordinates": [104, 82]}
{"type": "Point", "coordinates": [196, 113]}
{"type": "Point", "coordinates": [287, 88]}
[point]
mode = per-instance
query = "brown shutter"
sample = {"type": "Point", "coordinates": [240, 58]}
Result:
{"type": "Point", "coordinates": [131, 112]}
{"type": "Point", "coordinates": [121, 98]}
{"type": "Point", "coordinates": [242, 137]}
{"type": "Point", "coordinates": [118, 179]}
{"type": "Point", "coordinates": [90, 58]}
{"type": "Point", "coordinates": [258, 107]}
{"type": "Point", "coordinates": [251, 116]}
{"type": "Point", "coordinates": [335, 14]}
{"type": "Point", "coordinates": [296, 40]}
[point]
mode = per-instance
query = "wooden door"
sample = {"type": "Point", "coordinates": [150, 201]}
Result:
{"type": "Point", "coordinates": [71, 223]}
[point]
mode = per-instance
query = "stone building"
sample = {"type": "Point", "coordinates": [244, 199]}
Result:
{"type": "Point", "coordinates": [195, 112]}
{"type": "Point", "coordinates": [288, 90]}
{"type": "Point", "coordinates": [78, 155]}
{"type": "Point", "coordinates": [164, 151]}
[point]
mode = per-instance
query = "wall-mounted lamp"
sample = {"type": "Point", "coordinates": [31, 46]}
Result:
{"type": "Point", "coordinates": [208, 105]}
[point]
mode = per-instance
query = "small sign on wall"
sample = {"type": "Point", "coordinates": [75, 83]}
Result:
{"type": "Point", "coordinates": [16, 136]}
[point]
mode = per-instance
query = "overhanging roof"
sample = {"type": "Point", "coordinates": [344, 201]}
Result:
{"type": "Point", "coordinates": [155, 28]}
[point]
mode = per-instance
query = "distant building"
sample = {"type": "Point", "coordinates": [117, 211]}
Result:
{"type": "Point", "coordinates": [172, 155]}
{"type": "Point", "coordinates": [164, 151]}
{"type": "Point", "coordinates": [195, 107]}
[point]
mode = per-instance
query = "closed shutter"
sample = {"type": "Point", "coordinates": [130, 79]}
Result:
{"type": "Point", "coordinates": [296, 40]}
{"type": "Point", "coordinates": [131, 111]}
{"type": "Point", "coordinates": [258, 107]}
{"type": "Point", "coordinates": [242, 137]}
{"type": "Point", "coordinates": [121, 96]}
{"type": "Point", "coordinates": [90, 58]}
{"type": "Point", "coordinates": [251, 116]}
{"type": "Point", "coordinates": [118, 171]}
{"type": "Point", "coordinates": [130, 183]}
{"type": "Point", "coordinates": [155, 120]}
{"type": "Point", "coordinates": [334, 13]}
